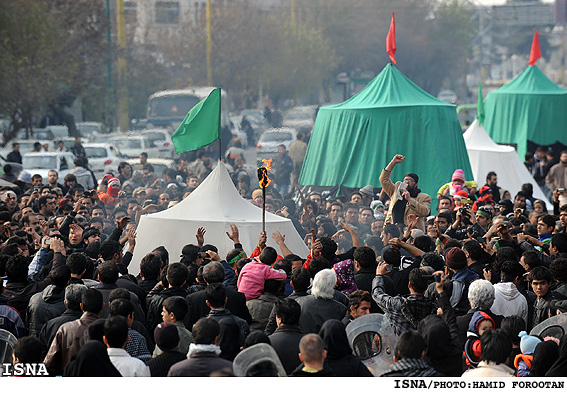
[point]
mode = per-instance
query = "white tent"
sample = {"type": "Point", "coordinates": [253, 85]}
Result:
{"type": "Point", "coordinates": [214, 205]}
{"type": "Point", "coordinates": [485, 155]}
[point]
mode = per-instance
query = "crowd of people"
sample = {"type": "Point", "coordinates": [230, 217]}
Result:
{"type": "Point", "coordinates": [462, 280]}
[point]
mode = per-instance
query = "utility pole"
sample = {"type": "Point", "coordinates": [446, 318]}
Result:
{"type": "Point", "coordinates": [209, 44]}
{"type": "Point", "coordinates": [123, 119]}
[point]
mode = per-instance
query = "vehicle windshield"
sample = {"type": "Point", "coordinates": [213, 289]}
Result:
{"type": "Point", "coordinates": [95, 152]}
{"type": "Point", "coordinates": [276, 137]}
{"type": "Point", "coordinates": [172, 106]}
{"type": "Point", "coordinates": [127, 143]}
{"type": "Point", "coordinates": [86, 130]}
{"type": "Point", "coordinates": [153, 137]}
{"type": "Point", "coordinates": [299, 116]}
{"type": "Point", "coordinates": [40, 162]}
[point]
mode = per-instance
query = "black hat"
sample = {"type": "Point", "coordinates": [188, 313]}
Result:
{"type": "Point", "coordinates": [90, 232]}
{"type": "Point", "coordinates": [166, 336]}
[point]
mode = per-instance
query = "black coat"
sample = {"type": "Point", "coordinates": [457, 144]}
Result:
{"type": "Point", "coordinates": [199, 365]}
{"type": "Point", "coordinates": [155, 305]}
{"type": "Point", "coordinates": [339, 353]}
{"type": "Point", "coordinates": [315, 311]}
{"type": "Point", "coordinates": [160, 365]}
{"type": "Point", "coordinates": [285, 340]}
{"type": "Point", "coordinates": [198, 309]}
{"type": "Point", "coordinates": [363, 279]}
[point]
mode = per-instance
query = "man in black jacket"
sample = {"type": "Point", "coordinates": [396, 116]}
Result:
{"type": "Point", "coordinates": [285, 340]}
{"type": "Point", "coordinates": [365, 271]}
{"type": "Point", "coordinates": [176, 277]}
{"type": "Point", "coordinates": [213, 272]}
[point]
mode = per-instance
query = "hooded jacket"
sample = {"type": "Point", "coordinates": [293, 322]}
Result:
{"type": "Point", "coordinates": [45, 306]}
{"type": "Point", "coordinates": [84, 177]}
{"type": "Point", "coordinates": [509, 301]}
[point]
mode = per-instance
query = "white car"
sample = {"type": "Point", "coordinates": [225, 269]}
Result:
{"type": "Point", "coordinates": [42, 163]}
{"type": "Point", "coordinates": [102, 156]}
{"type": "Point", "coordinates": [91, 130]}
{"type": "Point", "coordinates": [237, 132]}
{"type": "Point", "coordinates": [159, 164]}
{"type": "Point", "coordinates": [448, 96]}
{"type": "Point", "coordinates": [270, 140]}
{"type": "Point", "coordinates": [132, 146]}
{"type": "Point", "coordinates": [301, 118]}
{"type": "Point", "coordinates": [26, 145]}
{"type": "Point", "coordinates": [160, 139]}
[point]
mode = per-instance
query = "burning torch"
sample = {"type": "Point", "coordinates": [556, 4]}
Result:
{"type": "Point", "coordinates": [264, 181]}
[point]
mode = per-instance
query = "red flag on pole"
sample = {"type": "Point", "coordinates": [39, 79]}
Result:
{"type": "Point", "coordinates": [536, 51]}
{"type": "Point", "coordinates": [391, 40]}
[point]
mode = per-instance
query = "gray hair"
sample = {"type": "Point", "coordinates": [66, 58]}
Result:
{"type": "Point", "coordinates": [73, 294]}
{"type": "Point", "coordinates": [481, 295]}
{"type": "Point", "coordinates": [213, 272]}
{"type": "Point", "coordinates": [324, 284]}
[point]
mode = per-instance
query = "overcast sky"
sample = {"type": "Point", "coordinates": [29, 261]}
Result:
{"type": "Point", "coordinates": [499, 2]}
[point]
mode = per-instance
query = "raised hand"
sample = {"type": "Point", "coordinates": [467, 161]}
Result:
{"type": "Point", "coordinates": [234, 234]}
{"type": "Point", "coordinates": [200, 236]}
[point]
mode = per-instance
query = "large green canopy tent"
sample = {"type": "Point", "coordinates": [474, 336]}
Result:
{"type": "Point", "coordinates": [530, 107]}
{"type": "Point", "coordinates": [353, 141]}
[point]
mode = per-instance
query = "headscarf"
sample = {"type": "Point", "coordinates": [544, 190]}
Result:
{"type": "Point", "coordinates": [345, 276]}
{"type": "Point", "coordinates": [229, 338]}
{"type": "Point", "coordinates": [113, 187]}
{"type": "Point", "coordinates": [335, 338]}
{"type": "Point", "coordinates": [442, 352]}
{"type": "Point", "coordinates": [91, 361]}
{"type": "Point", "coordinates": [559, 368]}
{"type": "Point", "coordinates": [256, 337]}
{"type": "Point", "coordinates": [545, 354]}
{"type": "Point", "coordinates": [509, 206]}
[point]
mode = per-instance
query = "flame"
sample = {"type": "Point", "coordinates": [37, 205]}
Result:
{"type": "Point", "coordinates": [268, 164]}
{"type": "Point", "coordinates": [263, 178]}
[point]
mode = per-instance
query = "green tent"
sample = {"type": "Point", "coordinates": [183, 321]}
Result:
{"type": "Point", "coordinates": [353, 141]}
{"type": "Point", "coordinates": [530, 107]}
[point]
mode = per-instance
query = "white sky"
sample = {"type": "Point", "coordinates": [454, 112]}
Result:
{"type": "Point", "coordinates": [500, 2]}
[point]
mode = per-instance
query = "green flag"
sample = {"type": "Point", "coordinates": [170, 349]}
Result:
{"type": "Point", "coordinates": [201, 126]}
{"type": "Point", "coordinates": [480, 106]}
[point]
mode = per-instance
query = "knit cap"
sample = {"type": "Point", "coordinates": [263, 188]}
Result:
{"type": "Point", "coordinates": [458, 175]}
{"type": "Point", "coordinates": [166, 336]}
{"type": "Point", "coordinates": [456, 259]}
{"type": "Point", "coordinates": [527, 342]}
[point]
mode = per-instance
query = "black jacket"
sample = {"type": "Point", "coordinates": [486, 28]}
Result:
{"type": "Point", "coordinates": [236, 304]}
{"type": "Point", "coordinates": [48, 331]}
{"type": "Point", "coordinates": [285, 340]}
{"type": "Point", "coordinates": [160, 365]}
{"type": "Point", "coordinates": [363, 279]}
{"type": "Point", "coordinates": [315, 311]}
{"type": "Point", "coordinates": [325, 372]}
{"type": "Point", "coordinates": [155, 305]}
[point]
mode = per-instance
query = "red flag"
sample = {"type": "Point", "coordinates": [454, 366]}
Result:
{"type": "Point", "coordinates": [391, 40]}
{"type": "Point", "coordinates": [536, 51]}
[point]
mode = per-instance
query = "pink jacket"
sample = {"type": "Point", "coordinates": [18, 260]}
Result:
{"type": "Point", "coordinates": [252, 277]}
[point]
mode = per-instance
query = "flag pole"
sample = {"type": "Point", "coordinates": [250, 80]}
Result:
{"type": "Point", "coordinates": [220, 127]}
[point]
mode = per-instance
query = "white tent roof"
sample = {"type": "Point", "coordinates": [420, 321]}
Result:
{"type": "Point", "coordinates": [485, 155]}
{"type": "Point", "coordinates": [214, 205]}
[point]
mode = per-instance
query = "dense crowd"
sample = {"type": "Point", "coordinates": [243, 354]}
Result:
{"type": "Point", "coordinates": [462, 287]}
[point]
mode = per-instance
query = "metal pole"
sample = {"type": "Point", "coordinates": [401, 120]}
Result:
{"type": "Point", "coordinates": [209, 44]}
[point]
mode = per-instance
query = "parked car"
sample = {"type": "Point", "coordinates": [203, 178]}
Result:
{"type": "Point", "coordinates": [448, 96]}
{"type": "Point", "coordinates": [26, 145]}
{"type": "Point", "coordinates": [90, 129]}
{"type": "Point", "coordinates": [237, 132]}
{"type": "Point", "coordinates": [36, 133]}
{"type": "Point", "coordinates": [59, 131]}
{"type": "Point", "coordinates": [159, 164]}
{"type": "Point", "coordinates": [102, 156]}
{"type": "Point", "coordinates": [132, 146]}
{"type": "Point", "coordinates": [42, 163]}
{"type": "Point", "coordinates": [301, 118]}
{"type": "Point", "coordinates": [160, 139]}
{"type": "Point", "coordinates": [270, 140]}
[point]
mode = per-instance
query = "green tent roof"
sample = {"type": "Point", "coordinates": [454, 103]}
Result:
{"type": "Point", "coordinates": [353, 141]}
{"type": "Point", "coordinates": [530, 107]}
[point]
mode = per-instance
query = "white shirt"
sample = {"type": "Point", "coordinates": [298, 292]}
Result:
{"type": "Point", "coordinates": [126, 364]}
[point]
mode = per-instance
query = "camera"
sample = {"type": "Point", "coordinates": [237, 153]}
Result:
{"type": "Point", "coordinates": [48, 241]}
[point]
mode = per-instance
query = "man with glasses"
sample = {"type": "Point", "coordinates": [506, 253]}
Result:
{"type": "Point", "coordinates": [406, 198]}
